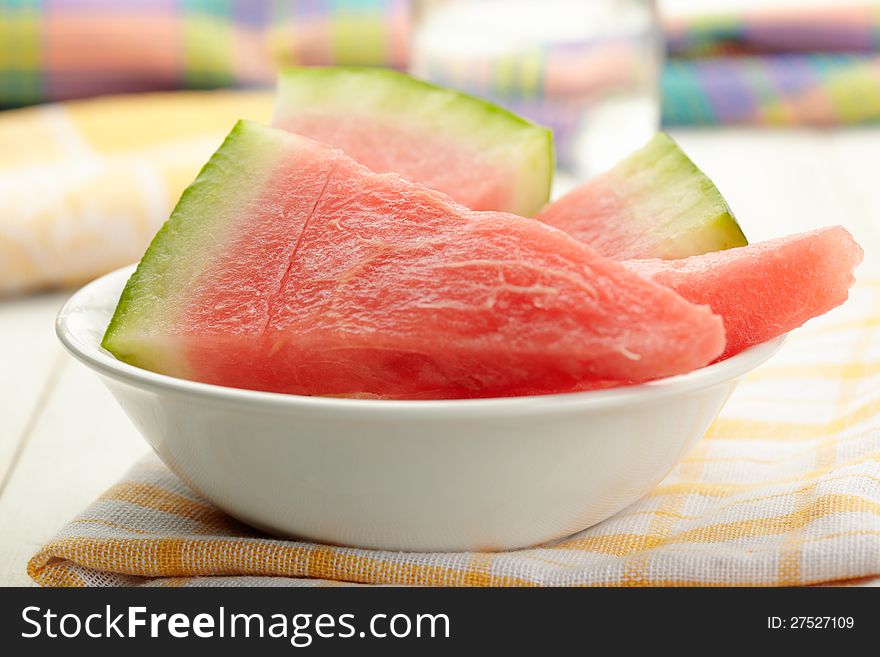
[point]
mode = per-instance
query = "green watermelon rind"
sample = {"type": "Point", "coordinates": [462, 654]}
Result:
{"type": "Point", "coordinates": [201, 206]}
{"type": "Point", "coordinates": [643, 175]}
{"type": "Point", "coordinates": [384, 92]}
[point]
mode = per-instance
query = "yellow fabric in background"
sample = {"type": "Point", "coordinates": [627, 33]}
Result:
{"type": "Point", "coordinates": [783, 490]}
{"type": "Point", "coordinates": [85, 185]}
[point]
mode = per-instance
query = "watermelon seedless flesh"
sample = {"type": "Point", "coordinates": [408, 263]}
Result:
{"type": "Point", "coordinates": [481, 155]}
{"type": "Point", "coordinates": [288, 267]}
{"type": "Point", "coordinates": [654, 204]}
{"type": "Point", "coordinates": [765, 289]}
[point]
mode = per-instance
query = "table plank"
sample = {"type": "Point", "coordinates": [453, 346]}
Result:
{"type": "Point", "coordinates": [80, 444]}
{"type": "Point", "coordinates": [29, 358]}
{"type": "Point", "coordinates": [857, 161]}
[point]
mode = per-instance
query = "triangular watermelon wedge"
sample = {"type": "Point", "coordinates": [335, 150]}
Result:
{"type": "Point", "coordinates": [655, 203]}
{"type": "Point", "coordinates": [288, 267]}
{"type": "Point", "coordinates": [765, 289]}
{"type": "Point", "coordinates": [480, 154]}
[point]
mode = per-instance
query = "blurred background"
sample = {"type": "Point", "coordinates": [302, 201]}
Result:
{"type": "Point", "coordinates": [106, 114]}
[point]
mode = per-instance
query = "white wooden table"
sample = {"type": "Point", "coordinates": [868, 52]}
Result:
{"type": "Point", "coordinates": [63, 439]}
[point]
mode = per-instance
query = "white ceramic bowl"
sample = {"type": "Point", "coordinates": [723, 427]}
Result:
{"type": "Point", "coordinates": [488, 474]}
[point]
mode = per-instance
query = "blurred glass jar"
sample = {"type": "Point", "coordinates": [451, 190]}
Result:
{"type": "Point", "coordinates": [588, 69]}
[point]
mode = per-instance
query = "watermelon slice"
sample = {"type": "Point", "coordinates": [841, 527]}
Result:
{"type": "Point", "coordinates": [765, 289]}
{"type": "Point", "coordinates": [287, 266]}
{"type": "Point", "coordinates": [654, 204]}
{"type": "Point", "coordinates": [481, 155]}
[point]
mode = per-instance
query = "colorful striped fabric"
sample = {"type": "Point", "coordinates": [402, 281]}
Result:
{"type": "Point", "coordinates": [785, 89]}
{"type": "Point", "coordinates": [773, 64]}
{"type": "Point", "coordinates": [767, 28]}
{"type": "Point", "coordinates": [783, 490]}
{"type": "Point", "coordinates": [61, 49]}
{"type": "Point", "coordinates": [795, 65]}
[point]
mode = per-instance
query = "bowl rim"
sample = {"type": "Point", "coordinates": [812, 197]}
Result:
{"type": "Point", "coordinates": [84, 349]}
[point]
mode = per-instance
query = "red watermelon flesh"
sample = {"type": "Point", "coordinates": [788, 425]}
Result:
{"type": "Point", "coordinates": [765, 289]}
{"type": "Point", "coordinates": [288, 267]}
{"type": "Point", "coordinates": [481, 155]}
{"type": "Point", "coordinates": [394, 148]}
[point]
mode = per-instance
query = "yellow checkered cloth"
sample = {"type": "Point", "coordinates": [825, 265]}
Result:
{"type": "Point", "coordinates": [783, 490]}
{"type": "Point", "coordinates": [85, 185]}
